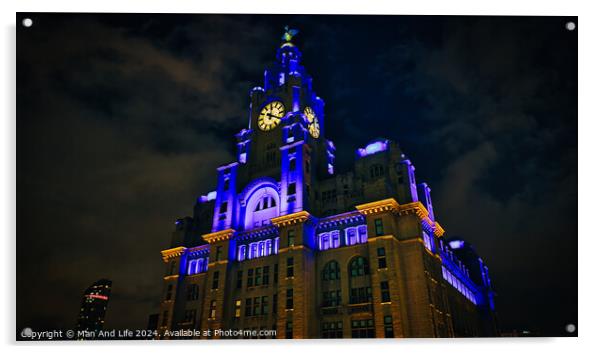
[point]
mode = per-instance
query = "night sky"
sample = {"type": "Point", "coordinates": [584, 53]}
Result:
{"type": "Point", "coordinates": [122, 120]}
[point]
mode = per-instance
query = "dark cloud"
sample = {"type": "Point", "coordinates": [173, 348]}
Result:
{"type": "Point", "coordinates": [122, 120]}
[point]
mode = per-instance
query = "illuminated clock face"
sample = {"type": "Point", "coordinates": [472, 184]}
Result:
{"type": "Point", "coordinates": [312, 120]}
{"type": "Point", "coordinates": [270, 115]}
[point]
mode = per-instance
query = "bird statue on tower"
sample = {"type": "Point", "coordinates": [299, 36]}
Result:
{"type": "Point", "coordinates": [289, 33]}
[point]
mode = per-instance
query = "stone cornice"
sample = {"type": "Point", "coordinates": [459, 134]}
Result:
{"type": "Point", "coordinates": [381, 206]}
{"type": "Point", "coordinates": [172, 253]}
{"type": "Point", "coordinates": [291, 219]}
{"type": "Point", "coordinates": [391, 206]}
{"type": "Point", "coordinates": [217, 236]}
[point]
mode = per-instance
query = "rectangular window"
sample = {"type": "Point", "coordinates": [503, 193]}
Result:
{"type": "Point", "coordinates": [291, 238]}
{"type": "Point", "coordinates": [215, 283]}
{"type": "Point", "coordinates": [239, 279]}
{"type": "Point", "coordinates": [331, 298]}
{"type": "Point", "coordinates": [360, 295]}
{"type": "Point", "coordinates": [248, 307]}
{"type": "Point", "coordinates": [275, 303]}
{"type": "Point", "coordinates": [250, 278]}
{"type": "Point", "coordinates": [289, 329]}
{"type": "Point", "coordinates": [168, 292]}
{"type": "Point", "coordinates": [292, 188]}
{"type": "Point", "coordinates": [289, 299]}
{"type": "Point", "coordinates": [290, 267]}
{"type": "Point", "coordinates": [332, 329]}
{"type": "Point", "coordinates": [276, 273]}
{"type": "Point", "coordinates": [382, 258]}
{"type": "Point", "coordinates": [223, 207]}
{"type": "Point", "coordinates": [266, 275]}
{"type": "Point", "coordinates": [384, 291]}
{"type": "Point", "coordinates": [264, 305]}
{"type": "Point", "coordinates": [389, 327]}
{"type": "Point", "coordinates": [362, 328]}
{"type": "Point", "coordinates": [189, 316]}
{"type": "Point", "coordinates": [164, 319]}
{"type": "Point", "coordinates": [192, 292]}
{"type": "Point", "coordinates": [256, 306]}
{"type": "Point", "coordinates": [218, 253]}
{"type": "Point", "coordinates": [378, 226]}
{"type": "Point", "coordinates": [237, 308]}
{"type": "Point", "coordinates": [226, 184]}
{"type": "Point", "coordinates": [212, 309]}
{"type": "Point", "coordinates": [292, 164]}
{"type": "Point", "coordinates": [258, 276]}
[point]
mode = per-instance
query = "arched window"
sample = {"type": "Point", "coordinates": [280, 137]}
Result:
{"type": "Point", "coordinates": [331, 271]}
{"type": "Point", "coordinates": [358, 267]}
{"type": "Point", "coordinates": [242, 252]}
{"type": "Point", "coordinates": [192, 266]}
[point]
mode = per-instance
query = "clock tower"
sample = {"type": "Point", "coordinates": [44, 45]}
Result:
{"type": "Point", "coordinates": [285, 139]}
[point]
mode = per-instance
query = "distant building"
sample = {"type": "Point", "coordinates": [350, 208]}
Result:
{"type": "Point", "coordinates": [94, 306]}
{"type": "Point", "coordinates": [283, 243]}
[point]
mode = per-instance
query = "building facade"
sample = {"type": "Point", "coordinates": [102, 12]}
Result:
{"type": "Point", "coordinates": [285, 243]}
{"type": "Point", "coordinates": [94, 306]}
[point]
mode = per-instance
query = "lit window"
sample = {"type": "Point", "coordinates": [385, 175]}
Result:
{"type": "Point", "coordinates": [237, 308]}
{"type": "Point", "coordinates": [335, 239]}
{"type": "Point", "coordinates": [324, 241]}
{"type": "Point", "coordinates": [268, 247]}
{"type": "Point", "coordinates": [192, 266]}
{"type": "Point", "coordinates": [261, 249]}
{"type": "Point", "coordinates": [350, 236]}
{"type": "Point", "coordinates": [291, 238]}
{"type": "Point", "coordinates": [242, 252]}
{"type": "Point", "coordinates": [212, 309]}
{"type": "Point", "coordinates": [362, 232]}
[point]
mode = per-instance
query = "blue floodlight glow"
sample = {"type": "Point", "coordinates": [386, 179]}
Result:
{"type": "Point", "coordinates": [373, 148]}
{"type": "Point", "coordinates": [456, 244]}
